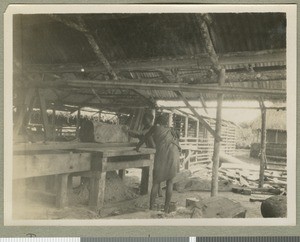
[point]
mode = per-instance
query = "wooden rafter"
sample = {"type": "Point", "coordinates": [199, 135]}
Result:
{"type": "Point", "coordinates": [208, 42]}
{"type": "Point", "coordinates": [201, 119]}
{"type": "Point", "coordinates": [81, 27]}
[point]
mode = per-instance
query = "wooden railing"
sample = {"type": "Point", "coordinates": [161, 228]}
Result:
{"type": "Point", "coordinates": [200, 150]}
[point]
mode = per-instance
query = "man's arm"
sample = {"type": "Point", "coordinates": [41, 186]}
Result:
{"type": "Point", "coordinates": [144, 137]}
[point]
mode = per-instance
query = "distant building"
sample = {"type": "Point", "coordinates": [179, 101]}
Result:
{"type": "Point", "coordinates": [276, 135]}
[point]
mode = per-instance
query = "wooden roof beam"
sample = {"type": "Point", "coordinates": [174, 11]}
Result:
{"type": "Point", "coordinates": [255, 92]}
{"type": "Point", "coordinates": [208, 42]}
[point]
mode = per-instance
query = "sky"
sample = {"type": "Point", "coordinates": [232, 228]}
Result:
{"type": "Point", "coordinates": [235, 115]}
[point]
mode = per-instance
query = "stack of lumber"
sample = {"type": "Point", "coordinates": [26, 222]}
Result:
{"type": "Point", "coordinates": [245, 177]}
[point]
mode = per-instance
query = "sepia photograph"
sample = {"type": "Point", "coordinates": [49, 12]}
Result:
{"type": "Point", "coordinates": [147, 114]}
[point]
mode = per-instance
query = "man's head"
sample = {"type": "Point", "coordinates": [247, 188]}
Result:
{"type": "Point", "coordinates": [148, 118]}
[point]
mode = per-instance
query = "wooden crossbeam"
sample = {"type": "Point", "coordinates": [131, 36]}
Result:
{"type": "Point", "coordinates": [229, 61]}
{"type": "Point", "coordinates": [252, 92]}
{"type": "Point", "coordinates": [201, 119]}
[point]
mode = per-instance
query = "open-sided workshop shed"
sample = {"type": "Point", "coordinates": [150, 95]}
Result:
{"type": "Point", "coordinates": [126, 62]}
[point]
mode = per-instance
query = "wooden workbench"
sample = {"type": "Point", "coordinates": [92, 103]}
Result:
{"type": "Point", "coordinates": [117, 158]}
{"type": "Point", "coordinates": [93, 161]}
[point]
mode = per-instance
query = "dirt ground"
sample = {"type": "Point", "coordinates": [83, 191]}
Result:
{"type": "Point", "coordinates": [122, 199]}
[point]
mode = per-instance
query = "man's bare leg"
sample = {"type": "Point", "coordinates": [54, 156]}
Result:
{"type": "Point", "coordinates": [169, 191]}
{"type": "Point", "coordinates": [159, 190]}
{"type": "Point", "coordinates": [153, 195]}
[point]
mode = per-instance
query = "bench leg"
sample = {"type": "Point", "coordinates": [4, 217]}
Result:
{"type": "Point", "coordinates": [62, 190]}
{"type": "Point", "coordinates": [97, 188]}
{"type": "Point", "coordinates": [70, 183]}
{"type": "Point", "coordinates": [147, 177]}
{"type": "Point", "coordinates": [122, 173]}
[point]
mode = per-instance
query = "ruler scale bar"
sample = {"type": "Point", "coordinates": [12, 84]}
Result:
{"type": "Point", "coordinates": [249, 239]}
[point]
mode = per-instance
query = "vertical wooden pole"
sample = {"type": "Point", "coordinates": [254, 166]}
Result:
{"type": "Point", "coordinates": [263, 146]}
{"type": "Point", "coordinates": [217, 143]}
{"type": "Point", "coordinates": [122, 173]}
{"type": "Point", "coordinates": [77, 123]}
{"type": "Point", "coordinates": [186, 125]}
{"type": "Point", "coordinates": [24, 114]}
{"type": "Point", "coordinates": [147, 176]}
{"type": "Point", "coordinates": [97, 189]}
{"type": "Point", "coordinates": [62, 192]}
{"type": "Point", "coordinates": [43, 109]}
{"type": "Point", "coordinates": [170, 120]}
{"type": "Point", "coordinates": [53, 123]}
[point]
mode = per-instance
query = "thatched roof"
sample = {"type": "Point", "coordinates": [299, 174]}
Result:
{"type": "Point", "coordinates": [276, 120]}
{"type": "Point", "coordinates": [147, 49]}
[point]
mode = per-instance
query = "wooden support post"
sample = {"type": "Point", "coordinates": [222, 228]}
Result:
{"type": "Point", "coordinates": [122, 173]}
{"type": "Point", "coordinates": [53, 124]}
{"type": "Point", "coordinates": [205, 124]}
{"type": "Point", "coordinates": [62, 191]}
{"type": "Point", "coordinates": [197, 131]}
{"type": "Point", "coordinates": [217, 143]}
{"type": "Point", "coordinates": [145, 180]}
{"type": "Point", "coordinates": [24, 114]}
{"type": "Point", "coordinates": [78, 123]}
{"type": "Point", "coordinates": [188, 159]}
{"type": "Point", "coordinates": [97, 188]}
{"type": "Point", "coordinates": [263, 145]}
{"type": "Point", "coordinates": [53, 116]}
{"type": "Point", "coordinates": [70, 183]}
{"type": "Point", "coordinates": [147, 177]}
{"type": "Point", "coordinates": [186, 126]}
{"type": "Point", "coordinates": [43, 109]}
{"type": "Point", "coordinates": [170, 122]}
